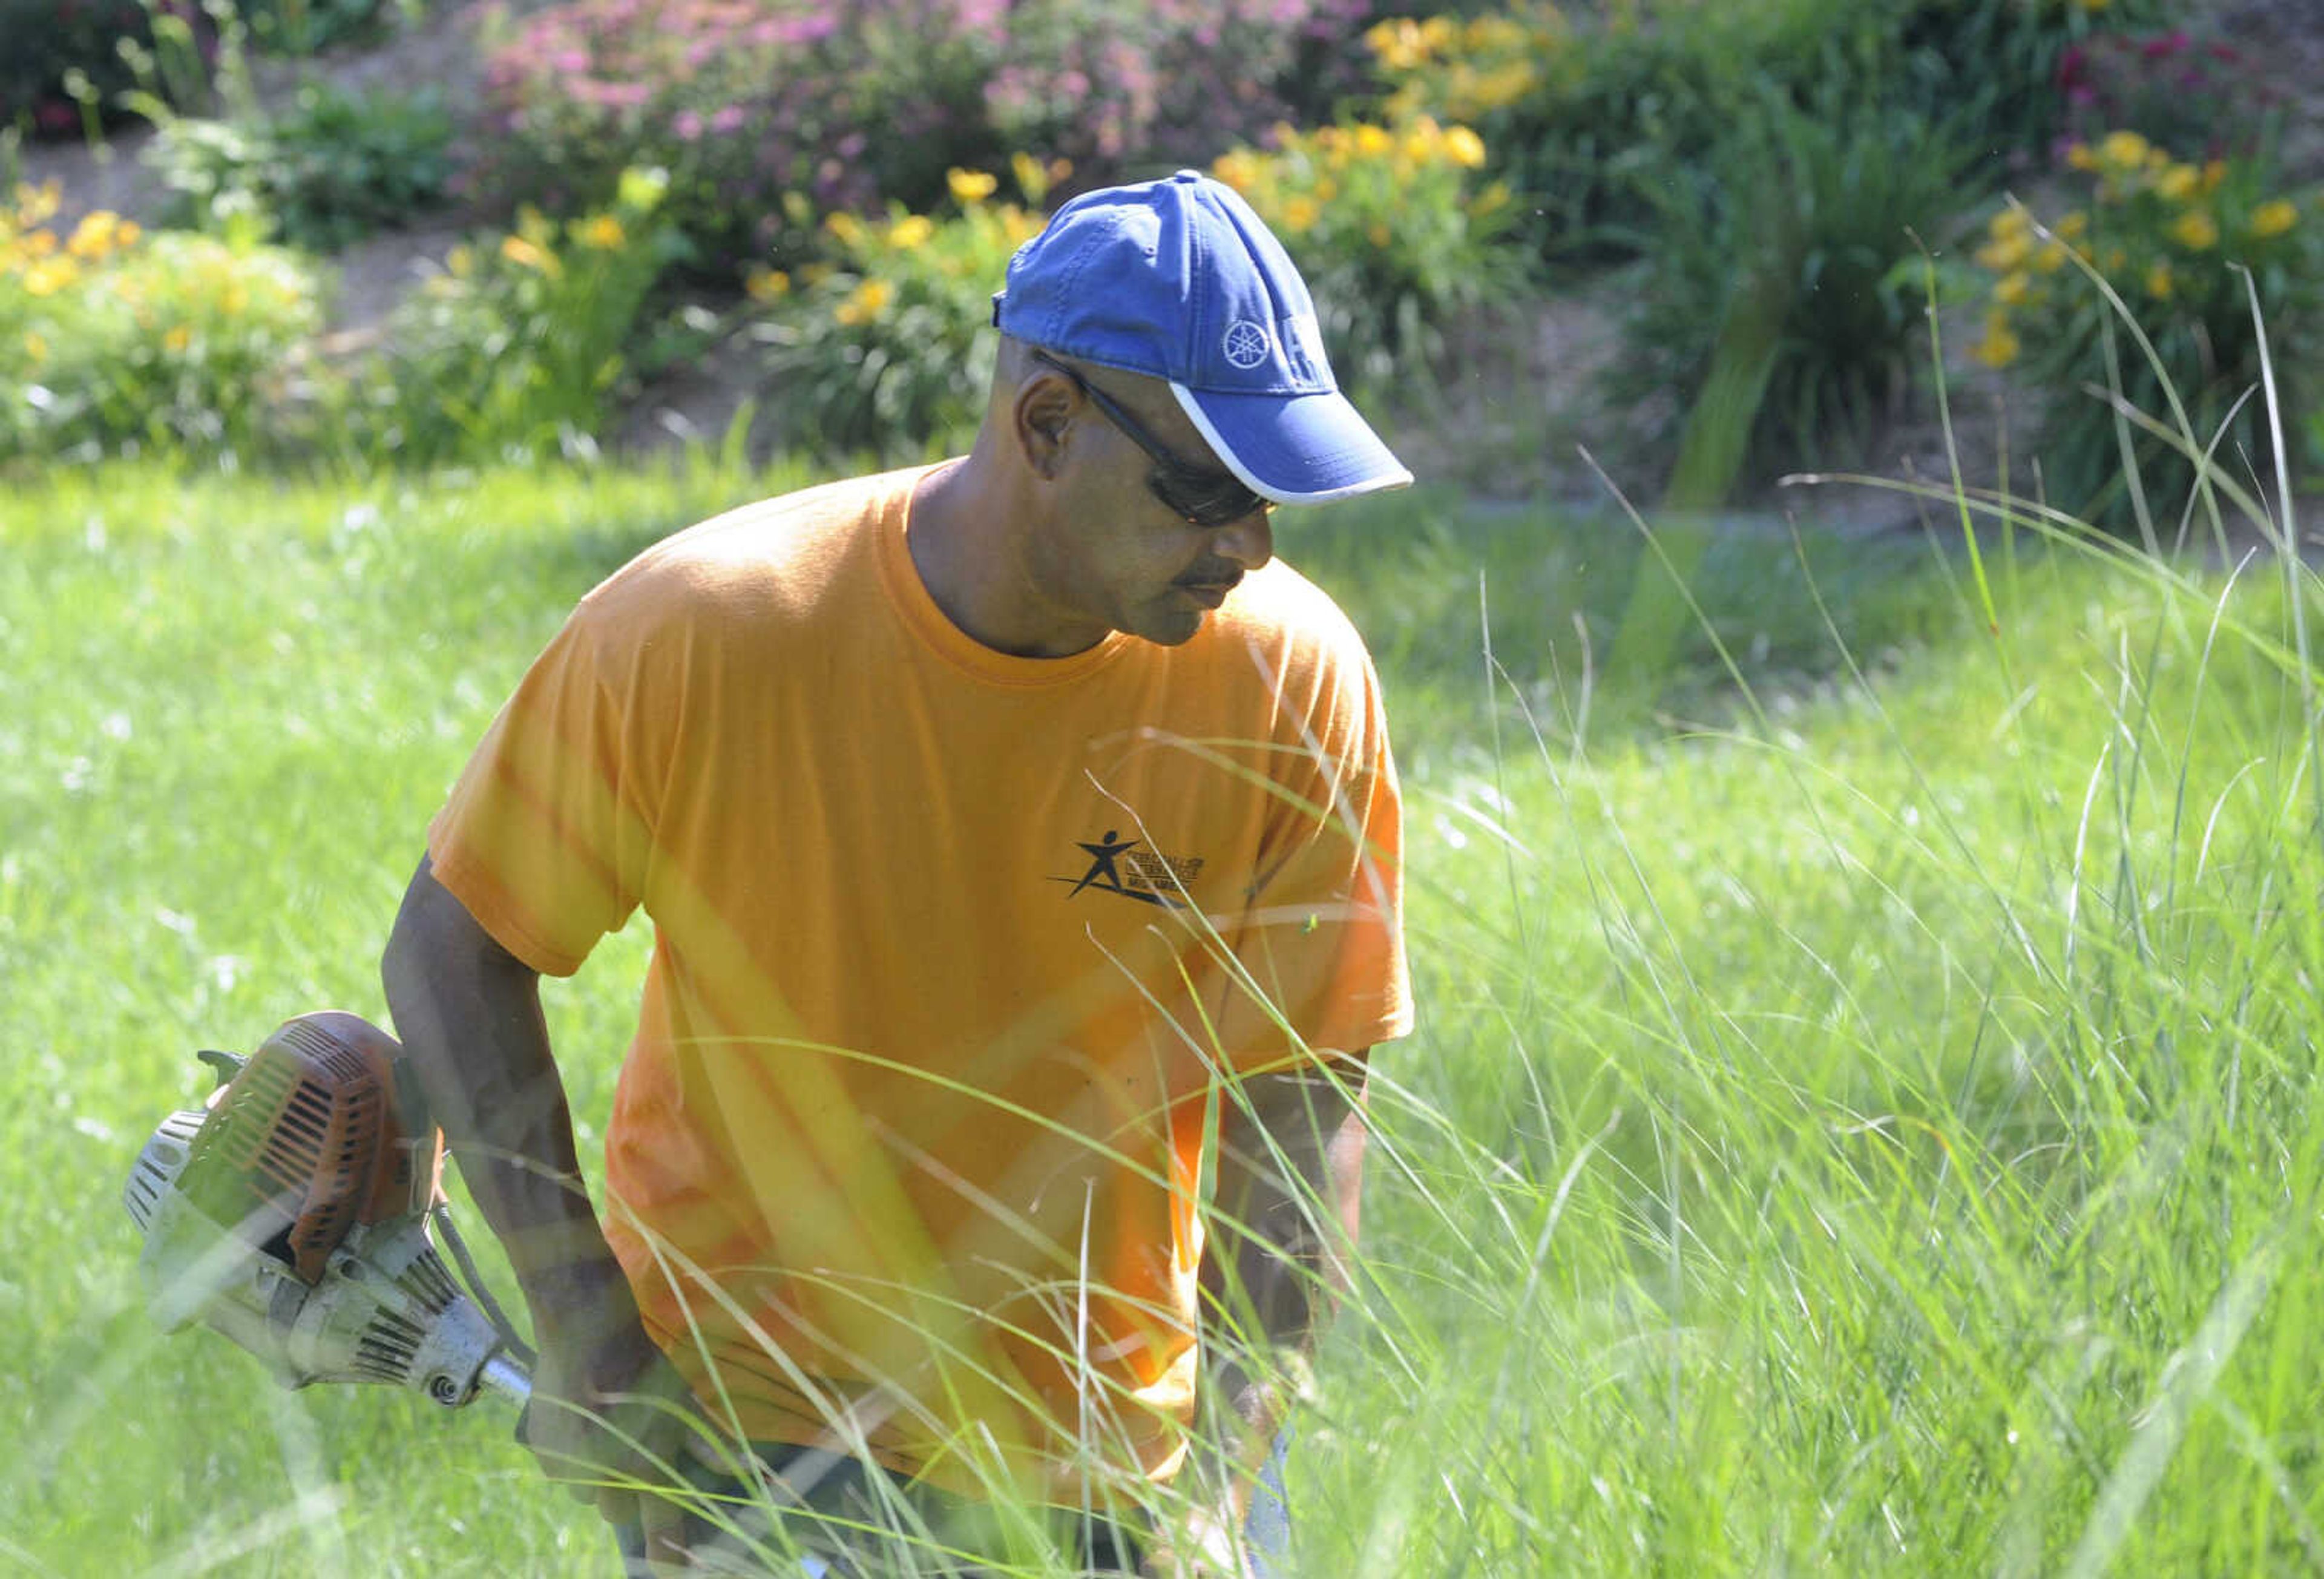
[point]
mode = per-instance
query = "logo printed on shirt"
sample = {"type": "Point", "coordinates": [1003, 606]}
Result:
{"type": "Point", "coordinates": [1119, 866]}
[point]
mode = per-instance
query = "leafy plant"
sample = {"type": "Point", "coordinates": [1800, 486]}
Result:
{"type": "Point", "coordinates": [889, 352]}
{"type": "Point", "coordinates": [515, 350]}
{"type": "Point", "coordinates": [1805, 226]}
{"type": "Point", "coordinates": [2173, 238]}
{"type": "Point", "coordinates": [65, 62]}
{"type": "Point", "coordinates": [114, 339]}
{"type": "Point", "coordinates": [329, 170]}
{"type": "Point", "coordinates": [1392, 228]}
{"type": "Point", "coordinates": [1596, 113]}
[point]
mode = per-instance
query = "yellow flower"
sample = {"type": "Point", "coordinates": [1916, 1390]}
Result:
{"type": "Point", "coordinates": [1300, 214]}
{"type": "Point", "coordinates": [2080, 156]}
{"type": "Point", "coordinates": [2196, 230]}
{"type": "Point", "coordinates": [2274, 219]}
{"type": "Point", "coordinates": [2214, 173]}
{"type": "Point", "coordinates": [126, 234]}
{"type": "Point", "coordinates": [2072, 226]}
{"type": "Point", "coordinates": [50, 275]}
{"type": "Point", "coordinates": [41, 243]}
{"type": "Point", "coordinates": [2009, 252]}
{"type": "Point", "coordinates": [461, 262]}
{"type": "Point", "coordinates": [36, 205]}
{"type": "Point", "coordinates": [1238, 167]}
{"type": "Point", "coordinates": [865, 302]}
{"type": "Point", "coordinates": [1376, 232]}
{"type": "Point", "coordinates": [1372, 140]}
{"type": "Point", "coordinates": [2009, 223]}
{"type": "Point", "coordinates": [92, 238]}
{"type": "Point", "coordinates": [35, 346]}
{"type": "Point", "coordinates": [2160, 283]}
{"type": "Point", "coordinates": [2124, 149]}
{"type": "Point", "coordinates": [973, 186]}
{"type": "Point", "coordinates": [525, 254]}
{"type": "Point", "coordinates": [2050, 258]}
{"type": "Point", "coordinates": [910, 231]}
{"type": "Point", "coordinates": [1999, 347]}
{"type": "Point", "coordinates": [1465, 147]}
{"type": "Point", "coordinates": [2013, 288]}
{"type": "Point", "coordinates": [602, 233]}
{"type": "Point", "coordinates": [2179, 182]}
{"type": "Point", "coordinates": [178, 339]}
{"type": "Point", "coordinates": [844, 227]}
{"type": "Point", "coordinates": [764, 284]}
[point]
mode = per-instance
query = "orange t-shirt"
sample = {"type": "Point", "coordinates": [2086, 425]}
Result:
{"type": "Point", "coordinates": [951, 949]}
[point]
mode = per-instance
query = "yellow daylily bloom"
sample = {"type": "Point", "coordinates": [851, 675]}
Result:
{"type": "Point", "coordinates": [1465, 148]}
{"type": "Point", "coordinates": [912, 230]}
{"type": "Point", "coordinates": [2124, 149]}
{"type": "Point", "coordinates": [527, 254]}
{"type": "Point", "coordinates": [763, 284]}
{"type": "Point", "coordinates": [2196, 230]}
{"type": "Point", "coordinates": [602, 233]}
{"type": "Point", "coordinates": [973, 186]}
{"type": "Point", "coordinates": [2008, 252]}
{"type": "Point", "coordinates": [2274, 219]}
{"type": "Point", "coordinates": [2179, 183]}
{"type": "Point", "coordinates": [92, 238]}
{"type": "Point", "coordinates": [2000, 346]}
{"type": "Point", "coordinates": [48, 276]}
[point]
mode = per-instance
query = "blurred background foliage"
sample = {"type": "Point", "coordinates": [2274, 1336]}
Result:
{"type": "Point", "coordinates": [1780, 192]}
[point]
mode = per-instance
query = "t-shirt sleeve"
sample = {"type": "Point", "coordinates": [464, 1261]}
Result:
{"type": "Point", "coordinates": [546, 835]}
{"type": "Point", "coordinates": [1319, 958]}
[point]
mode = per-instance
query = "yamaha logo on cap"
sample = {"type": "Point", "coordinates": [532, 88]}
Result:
{"type": "Point", "coordinates": [1247, 343]}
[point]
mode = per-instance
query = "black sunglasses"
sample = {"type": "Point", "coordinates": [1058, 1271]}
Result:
{"type": "Point", "coordinates": [1209, 499]}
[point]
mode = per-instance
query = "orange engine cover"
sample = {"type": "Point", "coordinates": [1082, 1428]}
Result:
{"type": "Point", "coordinates": [305, 1141]}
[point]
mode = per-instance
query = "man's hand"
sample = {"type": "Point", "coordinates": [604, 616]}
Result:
{"type": "Point", "coordinates": [611, 1416]}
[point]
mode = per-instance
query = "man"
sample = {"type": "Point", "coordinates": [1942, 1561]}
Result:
{"type": "Point", "coordinates": [1017, 837]}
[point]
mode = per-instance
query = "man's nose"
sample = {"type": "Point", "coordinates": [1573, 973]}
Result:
{"type": "Point", "coordinates": [1250, 543]}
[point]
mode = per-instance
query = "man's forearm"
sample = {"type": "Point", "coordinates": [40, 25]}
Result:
{"type": "Point", "coordinates": [1289, 1182]}
{"type": "Point", "coordinates": [469, 1017]}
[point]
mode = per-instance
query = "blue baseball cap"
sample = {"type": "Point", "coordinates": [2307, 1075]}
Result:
{"type": "Point", "coordinates": [1178, 280]}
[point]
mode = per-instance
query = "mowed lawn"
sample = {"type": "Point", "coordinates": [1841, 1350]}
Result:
{"type": "Point", "coordinates": [1863, 1116]}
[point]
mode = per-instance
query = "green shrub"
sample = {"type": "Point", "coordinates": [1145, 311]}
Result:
{"type": "Point", "coordinates": [1393, 229]}
{"type": "Point", "coordinates": [2168, 235]}
{"type": "Point", "coordinates": [1805, 220]}
{"type": "Point", "coordinates": [328, 170]}
{"type": "Point", "coordinates": [889, 352]}
{"type": "Point", "coordinates": [114, 340]}
{"type": "Point", "coordinates": [67, 64]}
{"type": "Point", "coordinates": [516, 350]}
{"type": "Point", "coordinates": [1594, 114]}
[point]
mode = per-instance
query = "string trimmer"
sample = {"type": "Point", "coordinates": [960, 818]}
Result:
{"type": "Point", "coordinates": [292, 1213]}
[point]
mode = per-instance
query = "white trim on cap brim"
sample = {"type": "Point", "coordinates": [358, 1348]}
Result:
{"type": "Point", "coordinates": [1399, 478]}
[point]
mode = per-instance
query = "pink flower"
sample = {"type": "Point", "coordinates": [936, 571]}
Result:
{"type": "Point", "coordinates": [687, 125]}
{"type": "Point", "coordinates": [727, 119]}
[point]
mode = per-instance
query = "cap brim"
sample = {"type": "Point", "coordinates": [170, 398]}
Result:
{"type": "Point", "coordinates": [1295, 449]}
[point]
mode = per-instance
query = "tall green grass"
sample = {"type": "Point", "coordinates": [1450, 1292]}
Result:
{"type": "Point", "coordinates": [1862, 1119]}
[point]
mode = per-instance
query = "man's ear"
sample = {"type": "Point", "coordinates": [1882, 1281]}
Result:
{"type": "Point", "coordinates": [1043, 415]}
